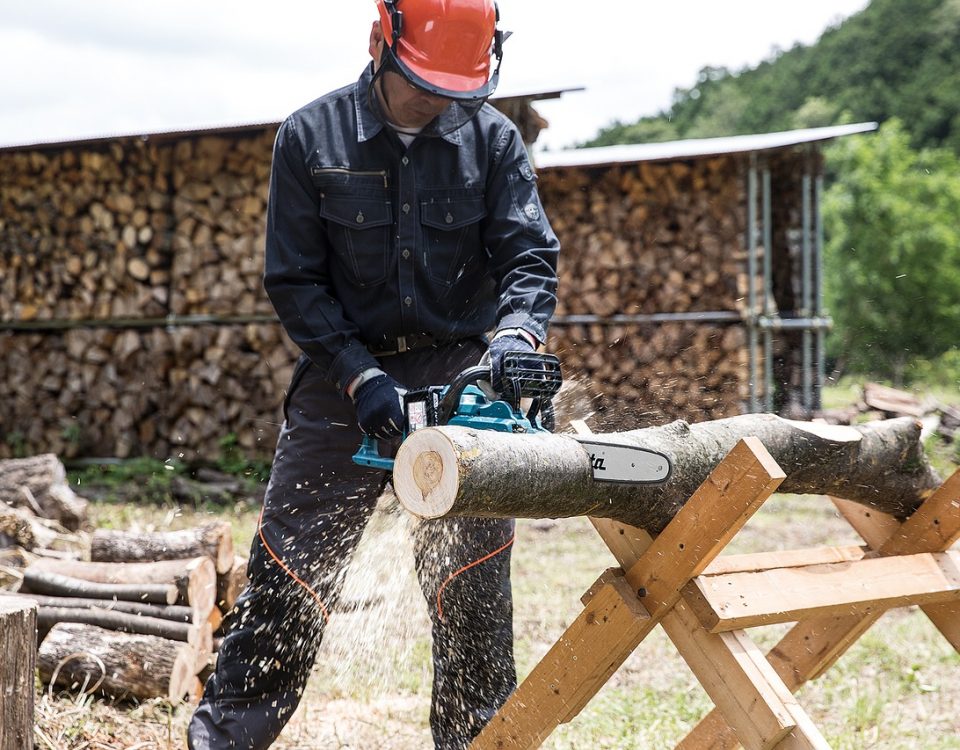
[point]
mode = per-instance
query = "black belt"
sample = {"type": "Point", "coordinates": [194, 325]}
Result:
{"type": "Point", "coordinates": [407, 343]}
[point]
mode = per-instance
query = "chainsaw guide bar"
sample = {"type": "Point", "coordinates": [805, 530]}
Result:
{"type": "Point", "coordinates": [625, 464]}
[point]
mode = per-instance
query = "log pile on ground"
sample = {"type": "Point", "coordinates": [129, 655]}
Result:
{"type": "Point", "coordinates": [883, 402]}
{"type": "Point", "coordinates": [131, 614]}
{"type": "Point", "coordinates": [652, 238]}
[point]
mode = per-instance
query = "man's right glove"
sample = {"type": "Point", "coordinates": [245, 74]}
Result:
{"type": "Point", "coordinates": [379, 403]}
{"type": "Point", "coordinates": [498, 348]}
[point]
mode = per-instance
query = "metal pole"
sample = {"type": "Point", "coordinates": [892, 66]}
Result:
{"type": "Point", "coordinates": [768, 301]}
{"type": "Point", "coordinates": [818, 308]}
{"type": "Point", "coordinates": [751, 279]}
{"type": "Point", "coordinates": [806, 287]}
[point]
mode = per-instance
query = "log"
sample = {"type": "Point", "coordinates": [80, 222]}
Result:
{"type": "Point", "coordinates": [231, 584]}
{"type": "Point", "coordinates": [171, 612]}
{"type": "Point", "coordinates": [122, 622]}
{"type": "Point", "coordinates": [38, 581]}
{"type": "Point", "coordinates": [195, 580]}
{"type": "Point", "coordinates": [40, 483]}
{"type": "Point", "coordinates": [121, 665]}
{"type": "Point", "coordinates": [457, 471]}
{"type": "Point", "coordinates": [214, 540]}
{"type": "Point", "coordinates": [18, 634]}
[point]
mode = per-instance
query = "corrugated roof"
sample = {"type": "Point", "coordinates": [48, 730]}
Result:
{"type": "Point", "coordinates": [215, 129]}
{"type": "Point", "coordinates": [694, 148]}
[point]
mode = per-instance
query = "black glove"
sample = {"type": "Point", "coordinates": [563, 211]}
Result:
{"type": "Point", "coordinates": [379, 407]}
{"type": "Point", "coordinates": [499, 347]}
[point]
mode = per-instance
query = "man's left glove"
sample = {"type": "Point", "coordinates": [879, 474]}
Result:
{"type": "Point", "coordinates": [498, 348]}
{"type": "Point", "coordinates": [379, 403]}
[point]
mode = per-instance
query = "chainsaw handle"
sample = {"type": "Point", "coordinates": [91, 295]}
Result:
{"type": "Point", "coordinates": [451, 399]}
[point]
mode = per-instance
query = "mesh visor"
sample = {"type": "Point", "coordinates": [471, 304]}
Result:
{"type": "Point", "coordinates": [458, 112]}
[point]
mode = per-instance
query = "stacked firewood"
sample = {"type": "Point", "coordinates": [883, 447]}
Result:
{"type": "Point", "coordinates": [219, 211]}
{"type": "Point", "coordinates": [83, 233]}
{"type": "Point", "coordinates": [883, 402]}
{"type": "Point", "coordinates": [159, 392]}
{"type": "Point", "coordinates": [643, 375]}
{"type": "Point", "coordinates": [648, 237]}
{"type": "Point", "coordinates": [137, 619]}
{"type": "Point", "coordinates": [652, 238]}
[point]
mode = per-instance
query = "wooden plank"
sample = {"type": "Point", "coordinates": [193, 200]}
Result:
{"type": "Point", "coordinates": [556, 691]}
{"type": "Point", "coordinates": [873, 525]}
{"type": "Point", "coordinates": [742, 600]}
{"type": "Point", "coordinates": [813, 646]}
{"type": "Point", "coordinates": [612, 623]}
{"type": "Point", "coordinates": [729, 668]}
{"type": "Point", "coordinates": [719, 508]}
{"type": "Point", "coordinates": [791, 558]}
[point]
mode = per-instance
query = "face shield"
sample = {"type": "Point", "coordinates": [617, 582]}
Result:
{"type": "Point", "coordinates": [434, 76]}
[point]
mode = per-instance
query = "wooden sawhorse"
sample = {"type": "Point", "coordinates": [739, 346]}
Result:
{"type": "Point", "coordinates": [704, 604]}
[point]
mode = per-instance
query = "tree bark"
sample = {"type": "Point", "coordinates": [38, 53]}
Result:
{"type": "Point", "coordinates": [214, 540]}
{"type": "Point", "coordinates": [196, 579]}
{"type": "Point", "coordinates": [40, 483]}
{"type": "Point", "coordinates": [171, 612]}
{"type": "Point", "coordinates": [456, 471]}
{"type": "Point", "coordinates": [37, 581]}
{"type": "Point", "coordinates": [18, 634]}
{"type": "Point", "coordinates": [133, 665]}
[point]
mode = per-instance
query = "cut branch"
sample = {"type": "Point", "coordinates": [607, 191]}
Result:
{"type": "Point", "coordinates": [456, 471]}
{"type": "Point", "coordinates": [36, 581]}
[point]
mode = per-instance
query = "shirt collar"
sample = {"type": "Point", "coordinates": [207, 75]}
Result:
{"type": "Point", "coordinates": [368, 124]}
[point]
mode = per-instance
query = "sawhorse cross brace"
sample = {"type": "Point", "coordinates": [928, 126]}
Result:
{"type": "Point", "coordinates": [704, 604]}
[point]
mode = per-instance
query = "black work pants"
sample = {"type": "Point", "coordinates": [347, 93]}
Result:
{"type": "Point", "coordinates": [315, 509]}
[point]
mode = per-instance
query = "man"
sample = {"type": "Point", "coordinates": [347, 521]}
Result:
{"type": "Point", "coordinates": [403, 224]}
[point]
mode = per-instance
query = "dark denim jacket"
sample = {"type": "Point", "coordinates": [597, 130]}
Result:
{"type": "Point", "coordinates": [368, 240]}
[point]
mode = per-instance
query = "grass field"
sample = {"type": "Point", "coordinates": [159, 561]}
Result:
{"type": "Point", "coordinates": [898, 688]}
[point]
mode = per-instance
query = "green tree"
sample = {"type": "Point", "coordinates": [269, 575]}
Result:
{"type": "Point", "coordinates": [892, 260]}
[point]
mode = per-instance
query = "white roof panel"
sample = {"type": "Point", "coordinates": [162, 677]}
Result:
{"type": "Point", "coordinates": [693, 148]}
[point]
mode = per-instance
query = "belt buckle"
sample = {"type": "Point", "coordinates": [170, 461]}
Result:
{"type": "Point", "coordinates": [401, 344]}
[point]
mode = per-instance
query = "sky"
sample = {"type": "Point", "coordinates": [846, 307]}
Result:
{"type": "Point", "coordinates": [71, 70]}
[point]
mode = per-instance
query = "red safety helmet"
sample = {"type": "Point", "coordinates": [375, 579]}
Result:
{"type": "Point", "coordinates": [444, 46]}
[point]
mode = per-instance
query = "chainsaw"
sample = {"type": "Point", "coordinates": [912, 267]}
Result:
{"type": "Point", "coordinates": [469, 401]}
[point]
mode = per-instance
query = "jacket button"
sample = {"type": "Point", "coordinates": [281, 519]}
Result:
{"type": "Point", "coordinates": [408, 301]}
{"type": "Point", "coordinates": [360, 218]}
{"type": "Point", "coordinates": [449, 219]}
{"type": "Point", "coordinates": [404, 161]}
{"type": "Point", "coordinates": [405, 253]}
{"type": "Point", "coordinates": [406, 208]}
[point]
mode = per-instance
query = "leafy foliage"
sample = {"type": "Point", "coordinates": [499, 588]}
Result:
{"type": "Point", "coordinates": [893, 59]}
{"type": "Point", "coordinates": [892, 260]}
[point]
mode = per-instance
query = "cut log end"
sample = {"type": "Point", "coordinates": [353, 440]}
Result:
{"type": "Point", "coordinates": [426, 471]}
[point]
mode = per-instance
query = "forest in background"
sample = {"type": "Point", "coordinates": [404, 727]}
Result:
{"type": "Point", "coordinates": [892, 259]}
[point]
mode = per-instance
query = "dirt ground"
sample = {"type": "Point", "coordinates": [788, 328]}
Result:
{"type": "Point", "coordinates": [897, 688]}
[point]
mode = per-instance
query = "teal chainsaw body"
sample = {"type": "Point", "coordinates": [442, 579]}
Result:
{"type": "Point", "coordinates": [464, 403]}
{"type": "Point", "coordinates": [469, 402]}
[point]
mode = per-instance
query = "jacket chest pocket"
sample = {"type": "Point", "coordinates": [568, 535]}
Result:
{"type": "Point", "coordinates": [359, 228]}
{"type": "Point", "coordinates": [452, 238]}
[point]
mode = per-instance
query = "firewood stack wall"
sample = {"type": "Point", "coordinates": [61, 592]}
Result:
{"type": "Point", "coordinates": [119, 242]}
{"type": "Point", "coordinates": [650, 238]}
